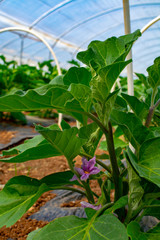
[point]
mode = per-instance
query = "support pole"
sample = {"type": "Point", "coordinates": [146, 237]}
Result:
{"type": "Point", "coordinates": [127, 28]}
{"type": "Point", "coordinates": [21, 50]}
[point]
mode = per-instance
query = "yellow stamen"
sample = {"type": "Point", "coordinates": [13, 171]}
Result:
{"type": "Point", "coordinates": [86, 172]}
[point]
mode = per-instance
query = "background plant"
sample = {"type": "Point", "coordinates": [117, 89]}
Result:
{"type": "Point", "coordinates": [14, 77]}
{"type": "Point", "coordinates": [133, 172]}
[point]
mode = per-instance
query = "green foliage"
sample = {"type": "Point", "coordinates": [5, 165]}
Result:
{"type": "Point", "coordinates": [131, 127]}
{"type": "Point", "coordinates": [135, 233]}
{"type": "Point", "coordinates": [77, 75]}
{"type": "Point", "coordinates": [154, 74]}
{"type": "Point", "coordinates": [58, 140]}
{"type": "Point", "coordinates": [32, 149]}
{"type": "Point", "coordinates": [138, 107]}
{"type": "Point", "coordinates": [146, 163]}
{"type": "Point", "coordinates": [153, 209]}
{"type": "Point", "coordinates": [92, 133]}
{"type": "Point", "coordinates": [71, 227]}
{"type": "Point", "coordinates": [87, 93]}
{"type": "Point", "coordinates": [24, 77]}
{"type": "Point", "coordinates": [21, 192]}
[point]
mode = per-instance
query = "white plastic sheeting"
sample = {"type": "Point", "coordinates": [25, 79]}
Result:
{"type": "Point", "coordinates": [69, 26]}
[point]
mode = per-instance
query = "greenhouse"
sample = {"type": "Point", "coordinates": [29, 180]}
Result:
{"type": "Point", "coordinates": [80, 120]}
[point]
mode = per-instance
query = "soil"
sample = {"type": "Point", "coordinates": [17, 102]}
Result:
{"type": "Point", "coordinates": [36, 169]}
{"type": "Point", "coordinates": [6, 136]}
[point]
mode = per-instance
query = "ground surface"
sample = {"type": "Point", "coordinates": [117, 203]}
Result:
{"type": "Point", "coordinates": [36, 169]}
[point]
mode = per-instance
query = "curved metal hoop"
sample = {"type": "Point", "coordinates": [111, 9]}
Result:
{"type": "Point", "coordinates": [31, 31]}
{"type": "Point", "coordinates": [148, 25]}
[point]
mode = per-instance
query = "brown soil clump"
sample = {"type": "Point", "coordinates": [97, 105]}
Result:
{"type": "Point", "coordinates": [6, 136]}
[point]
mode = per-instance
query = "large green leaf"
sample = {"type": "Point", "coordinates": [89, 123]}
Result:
{"type": "Point", "coordinates": [48, 96]}
{"type": "Point", "coordinates": [77, 75]}
{"type": "Point", "coordinates": [143, 79]}
{"type": "Point", "coordinates": [58, 180]}
{"type": "Point", "coordinates": [154, 133]}
{"type": "Point", "coordinates": [18, 195]}
{"type": "Point", "coordinates": [120, 203]}
{"type": "Point", "coordinates": [35, 148]}
{"type": "Point", "coordinates": [74, 228]}
{"type": "Point", "coordinates": [110, 73]}
{"type": "Point", "coordinates": [32, 234]}
{"type": "Point", "coordinates": [148, 162]}
{"type": "Point", "coordinates": [155, 230]}
{"type": "Point", "coordinates": [117, 143]}
{"type": "Point", "coordinates": [58, 80]}
{"type": "Point", "coordinates": [41, 98]}
{"type": "Point", "coordinates": [131, 126]}
{"type": "Point", "coordinates": [139, 108]}
{"type": "Point", "coordinates": [21, 192]}
{"type": "Point", "coordinates": [104, 109]}
{"type": "Point", "coordinates": [120, 104]}
{"type": "Point", "coordinates": [135, 233]}
{"type": "Point", "coordinates": [135, 190]}
{"type": "Point", "coordinates": [65, 141]}
{"type": "Point", "coordinates": [32, 151]}
{"type": "Point", "coordinates": [153, 209]}
{"type": "Point", "coordinates": [82, 94]}
{"type": "Point", "coordinates": [101, 54]}
{"type": "Point", "coordinates": [103, 82]}
{"type": "Point", "coordinates": [93, 134]}
{"type": "Point", "coordinates": [154, 73]}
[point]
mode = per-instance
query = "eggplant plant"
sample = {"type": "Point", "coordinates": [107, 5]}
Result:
{"type": "Point", "coordinates": [132, 140]}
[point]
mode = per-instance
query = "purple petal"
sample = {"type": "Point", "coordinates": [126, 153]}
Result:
{"type": "Point", "coordinates": [74, 178]}
{"type": "Point", "coordinates": [88, 205]}
{"type": "Point", "coordinates": [79, 170]}
{"type": "Point", "coordinates": [95, 170]}
{"type": "Point", "coordinates": [85, 176]}
{"type": "Point", "coordinates": [85, 164]}
{"type": "Point", "coordinates": [92, 163]}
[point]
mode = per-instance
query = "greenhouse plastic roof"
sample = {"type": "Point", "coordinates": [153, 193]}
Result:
{"type": "Point", "coordinates": [70, 25]}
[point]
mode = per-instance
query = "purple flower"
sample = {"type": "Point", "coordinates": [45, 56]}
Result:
{"type": "Point", "coordinates": [88, 205]}
{"type": "Point", "coordinates": [87, 168]}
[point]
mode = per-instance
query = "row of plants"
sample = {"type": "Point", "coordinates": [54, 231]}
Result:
{"type": "Point", "coordinates": [14, 77]}
{"type": "Point", "coordinates": [132, 148]}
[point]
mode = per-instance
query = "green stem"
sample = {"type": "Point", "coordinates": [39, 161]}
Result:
{"type": "Point", "coordinates": [114, 164]}
{"type": "Point", "coordinates": [149, 117]}
{"type": "Point", "coordinates": [129, 215]}
{"type": "Point", "coordinates": [102, 209]}
{"type": "Point", "coordinates": [89, 193]}
{"type": "Point", "coordinates": [153, 96]}
{"type": "Point", "coordinates": [152, 196]}
{"type": "Point", "coordinates": [152, 108]}
{"type": "Point", "coordinates": [95, 195]}
{"type": "Point", "coordinates": [90, 115]}
{"type": "Point", "coordinates": [103, 188]}
{"type": "Point", "coordinates": [103, 165]}
{"type": "Point", "coordinates": [95, 119]}
{"type": "Point", "coordinates": [151, 206]}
